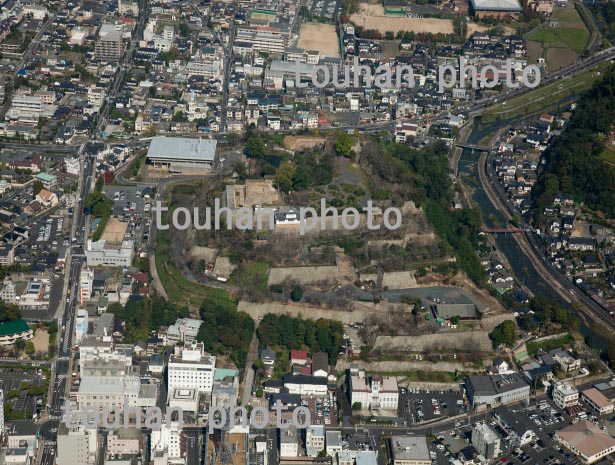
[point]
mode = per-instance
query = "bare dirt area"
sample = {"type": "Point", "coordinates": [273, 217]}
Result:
{"type": "Point", "coordinates": [534, 50]}
{"type": "Point", "coordinates": [41, 340]}
{"type": "Point", "coordinates": [321, 37]}
{"type": "Point", "coordinates": [302, 143]}
{"type": "Point", "coordinates": [373, 17]}
{"type": "Point", "coordinates": [114, 231]}
{"type": "Point", "coordinates": [560, 57]}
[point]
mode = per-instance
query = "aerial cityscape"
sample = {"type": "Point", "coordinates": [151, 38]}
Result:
{"type": "Point", "coordinates": [307, 232]}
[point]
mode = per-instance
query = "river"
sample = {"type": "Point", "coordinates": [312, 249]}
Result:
{"type": "Point", "coordinates": [522, 267]}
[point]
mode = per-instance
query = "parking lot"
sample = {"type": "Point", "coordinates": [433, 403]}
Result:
{"type": "Point", "coordinates": [323, 410]}
{"type": "Point", "coordinates": [131, 208]}
{"type": "Point", "coordinates": [420, 405]}
{"type": "Point", "coordinates": [11, 379]}
{"type": "Point", "coordinates": [328, 9]}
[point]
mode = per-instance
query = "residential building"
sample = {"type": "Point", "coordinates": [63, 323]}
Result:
{"type": "Point", "coordinates": [565, 395]}
{"type": "Point", "coordinates": [486, 441]}
{"type": "Point", "coordinates": [410, 450]}
{"type": "Point", "coordinates": [49, 181]}
{"type": "Point", "coordinates": [86, 283]}
{"type": "Point", "coordinates": [109, 46]}
{"type": "Point", "coordinates": [76, 445]}
{"type": "Point", "coordinates": [298, 357]}
{"type": "Point", "coordinates": [47, 198]}
{"type": "Point", "coordinates": [333, 442]}
{"type": "Point", "coordinates": [8, 293]}
{"type": "Point", "coordinates": [168, 439]}
{"type": "Point", "coordinates": [588, 442]}
{"type": "Point", "coordinates": [124, 441]}
{"type": "Point", "coordinates": [598, 401]}
{"type": "Point", "coordinates": [184, 330]}
{"type": "Point", "coordinates": [314, 440]}
{"type": "Point", "coordinates": [191, 367]}
{"type": "Point", "coordinates": [73, 166]}
{"type": "Point", "coordinates": [288, 441]}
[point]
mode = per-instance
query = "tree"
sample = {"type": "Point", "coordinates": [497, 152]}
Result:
{"type": "Point", "coordinates": [610, 354]}
{"type": "Point", "coordinates": [296, 293]}
{"type": "Point", "coordinates": [37, 187]}
{"type": "Point", "coordinates": [184, 30]}
{"type": "Point", "coordinates": [343, 144]}
{"type": "Point", "coordinates": [504, 333]}
{"type": "Point", "coordinates": [255, 147]}
{"type": "Point", "coordinates": [284, 177]}
{"type": "Point", "coordinates": [259, 393]}
{"type": "Point", "coordinates": [322, 453]}
{"type": "Point", "coordinates": [357, 406]}
{"type": "Point", "coordinates": [455, 320]}
{"type": "Point", "coordinates": [30, 347]}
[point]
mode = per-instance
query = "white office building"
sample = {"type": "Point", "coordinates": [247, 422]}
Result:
{"type": "Point", "coordinates": [191, 367]}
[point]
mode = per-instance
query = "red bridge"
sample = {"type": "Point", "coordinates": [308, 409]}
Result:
{"type": "Point", "coordinates": [503, 230]}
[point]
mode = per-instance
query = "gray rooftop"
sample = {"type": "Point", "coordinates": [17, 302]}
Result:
{"type": "Point", "coordinates": [497, 5]}
{"type": "Point", "coordinates": [180, 148]}
{"type": "Point", "coordinates": [410, 448]}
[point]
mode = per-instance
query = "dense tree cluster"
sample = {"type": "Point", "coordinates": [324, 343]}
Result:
{"type": "Point", "coordinates": [573, 162]}
{"type": "Point", "coordinates": [9, 312]}
{"type": "Point", "coordinates": [295, 333]}
{"type": "Point", "coordinates": [225, 331]}
{"type": "Point", "coordinates": [144, 315]}
{"type": "Point", "coordinates": [504, 333]}
{"type": "Point", "coordinates": [422, 175]}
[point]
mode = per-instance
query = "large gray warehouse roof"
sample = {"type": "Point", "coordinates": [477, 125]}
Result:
{"type": "Point", "coordinates": [180, 148]}
{"type": "Point", "coordinates": [496, 5]}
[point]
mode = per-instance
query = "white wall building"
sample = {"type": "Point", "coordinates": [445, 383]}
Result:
{"type": "Point", "coordinates": [167, 439]}
{"type": "Point", "coordinates": [374, 392]}
{"type": "Point", "coordinates": [99, 253]}
{"type": "Point", "coordinates": [191, 367]}
{"type": "Point", "coordinates": [314, 440]}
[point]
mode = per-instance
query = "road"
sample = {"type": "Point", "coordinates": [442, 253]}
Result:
{"type": "Point", "coordinates": [25, 59]}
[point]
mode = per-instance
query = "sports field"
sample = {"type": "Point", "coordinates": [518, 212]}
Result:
{"type": "Point", "coordinates": [371, 16]}
{"type": "Point", "coordinates": [321, 37]}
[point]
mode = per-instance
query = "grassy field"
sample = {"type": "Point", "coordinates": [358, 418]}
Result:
{"type": "Point", "coordinates": [532, 347]}
{"type": "Point", "coordinates": [180, 290]}
{"type": "Point", "coordinates": [608, 155]}
{"type": "Point", "coordinates": [251, 276]}
{"type": "Point", "coordinates": [559, 45]}
{"type": "Point", "coordinates": [538, 100]}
